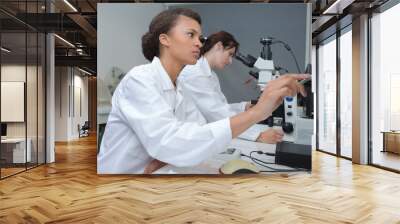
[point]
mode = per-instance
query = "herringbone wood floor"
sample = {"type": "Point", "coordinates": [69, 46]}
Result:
{"type": "Point", "coordinates": [70, 191]}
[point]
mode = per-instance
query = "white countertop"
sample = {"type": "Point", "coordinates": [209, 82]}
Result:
{"type": "Point", "coordinates": [212, 165]}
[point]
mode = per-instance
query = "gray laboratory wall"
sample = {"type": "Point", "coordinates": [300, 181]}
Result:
{"type": "Point", "coordinates": [121, 26]}
{"type": "Point", "coordinates": [249, 23]}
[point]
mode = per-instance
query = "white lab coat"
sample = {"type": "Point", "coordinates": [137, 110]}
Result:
{"type": "Point", "coordinates": [201, 84]}
{"type": "Point", "coordinates": [151, 119]}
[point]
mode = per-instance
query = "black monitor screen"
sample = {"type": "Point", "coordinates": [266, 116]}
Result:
{"type": "Point", "coordinates": [3, 129]}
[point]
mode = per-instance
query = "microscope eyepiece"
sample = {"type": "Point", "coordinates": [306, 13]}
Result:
{"type": "Point", "coordinates": [247, 60]}
{"type": "Point", "coordinates": [265, 41]}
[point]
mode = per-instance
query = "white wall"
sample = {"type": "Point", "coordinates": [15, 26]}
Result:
{"type": "Point", "coordinates": [61, 103]}
{"type": "Point", "coordinates": [67, 115]}
{"type": "Point", "coordinates": [12, 100]}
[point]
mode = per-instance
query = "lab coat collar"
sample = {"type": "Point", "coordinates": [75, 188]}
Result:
{"type": "Point", "coordinates": [205, 66]}
{"type": "Point", "coordinates": [166, 81]}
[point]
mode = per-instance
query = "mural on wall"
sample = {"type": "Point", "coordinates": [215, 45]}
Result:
{"type": "Point", "coordinates": [121, 152]}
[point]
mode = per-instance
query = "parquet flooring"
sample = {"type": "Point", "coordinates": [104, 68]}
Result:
{"type": "Point", "coordinates": [70, 191]}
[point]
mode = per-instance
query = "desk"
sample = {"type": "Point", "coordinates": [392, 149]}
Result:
{"type": "Point", "coordinates": [13, 150]}
{"type": "Point", "coordinates": [391, 141]}
{"type": "Point", "coordinates": [211, 166]}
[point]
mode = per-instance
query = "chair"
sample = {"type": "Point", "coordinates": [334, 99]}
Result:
{"type": "Point", "coordinates": [84, 130]}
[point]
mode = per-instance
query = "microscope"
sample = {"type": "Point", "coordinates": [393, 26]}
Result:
{"type": "Point", "coordinates": [295, 114]}
{"type": "Point", "coordinates": [264, 63]}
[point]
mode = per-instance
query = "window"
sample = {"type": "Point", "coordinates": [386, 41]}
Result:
{"type": "Point", "coordinates": [346, 92]}
{"type": "Point", "coordinates": [327, 96]}
{"type": "Point", "coordinates": [22, 65]}
{"type": "Point", "coordinates": [385, 87]}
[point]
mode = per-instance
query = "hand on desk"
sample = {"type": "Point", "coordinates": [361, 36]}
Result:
{"type": "Point", "coordinates": [270, 136]}
{"type": "Point", "coordinates": [153, 166]}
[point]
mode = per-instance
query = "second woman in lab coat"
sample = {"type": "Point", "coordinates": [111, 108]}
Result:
{"type": "Point", "coordinates": [148, 119]}
{"type": "Point", "coordinates": [201, 84]}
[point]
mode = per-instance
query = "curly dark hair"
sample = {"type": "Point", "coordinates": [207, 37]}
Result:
{"type": "Point", "coordinates": [160, 24]}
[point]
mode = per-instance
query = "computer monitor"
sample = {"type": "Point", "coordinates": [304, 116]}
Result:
{"type": "Point", "coordinates": [3, 129]}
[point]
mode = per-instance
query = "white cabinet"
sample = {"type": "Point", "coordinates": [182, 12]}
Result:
{"type": "Point", "coordinates": [17, 147]}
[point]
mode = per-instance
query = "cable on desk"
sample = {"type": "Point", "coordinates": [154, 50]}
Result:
{"type": "Point", "coordinates": [263, 163]}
